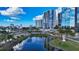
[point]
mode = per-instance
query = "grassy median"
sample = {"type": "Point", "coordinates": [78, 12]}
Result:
{"type": "Point", "coordinates": [67, 45]}
{"type": "Point", "coordinates": [39, 35]}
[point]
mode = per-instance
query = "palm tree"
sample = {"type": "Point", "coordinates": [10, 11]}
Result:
{"type": "Point", "coordinates": [64, 33]}
{"type": "Point", "coordinates": [61, 33]}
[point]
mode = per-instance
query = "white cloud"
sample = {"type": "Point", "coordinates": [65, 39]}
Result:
{"type": "Point", "coordinates": [39, 17]}
{"type": "Point", "coordinates": [9, 20]}
{"type": "Point", "coordinates": [59, 10]}
{"type": "Point", "coordinates": [15, 18]}
{"type": "Point", "coordinates": [12, 11]}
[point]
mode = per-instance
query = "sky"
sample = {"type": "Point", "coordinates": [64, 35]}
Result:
{"type": "Point", "coordinates": [25, 15]}
{"type": "Point", "coordinates": [21, 15]}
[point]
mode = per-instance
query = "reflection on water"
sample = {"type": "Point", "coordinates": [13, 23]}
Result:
{"type": "Point", "coordinates": [32, 44]}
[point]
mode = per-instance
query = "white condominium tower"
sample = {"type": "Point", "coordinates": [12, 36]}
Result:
{"type": "Point", "coordinates": [38, 21]}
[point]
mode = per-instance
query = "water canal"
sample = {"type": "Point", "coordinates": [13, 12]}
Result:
{"type": "Point", "coordinates": [31, 44]}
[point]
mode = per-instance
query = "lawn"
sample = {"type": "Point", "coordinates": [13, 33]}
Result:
{"type": "Point", "coordinates": [39, 35]}
{"type": "Point", "coordinates": [67, 46]}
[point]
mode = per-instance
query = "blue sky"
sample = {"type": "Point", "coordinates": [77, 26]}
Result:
{"type": "Point", "coordinates": [20, 15]}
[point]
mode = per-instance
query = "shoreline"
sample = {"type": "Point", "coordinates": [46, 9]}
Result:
{"type": "Point", "coordinates": [19, 45]}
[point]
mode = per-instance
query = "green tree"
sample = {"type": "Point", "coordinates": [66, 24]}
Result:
{"type": "Point", "coordinates": [64, 33]}
{"type": "Point", "coordinates": [56, 27]}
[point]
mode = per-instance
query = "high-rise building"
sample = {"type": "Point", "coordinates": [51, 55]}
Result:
{"type": "Point", "coordinates": [77, 19]}
{"type": "Point", "coordinates": [68, 17]}
{"type": "Point", "coordinates": [52, 19]}
{"type": "Point", "coordinates": [46, 20]}
{"type": "Point", "coordinates": [58, 16]}
{"type": "Point", "coordinates": [59, 19]}
{"type": "Point", "coordinates": [38, 21]}
{"type": "Point", "coordinates": [49, 19]}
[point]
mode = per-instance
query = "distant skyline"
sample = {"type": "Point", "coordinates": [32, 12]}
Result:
{"type": "Point", "coordinates": [21, 15]}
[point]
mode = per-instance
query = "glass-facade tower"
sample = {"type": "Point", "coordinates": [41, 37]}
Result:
{"type": "Point", "coordinates": [48, 19]}
{"type": "Point", "coordinates": [77, 19]}
{"type": "Point", "coordinates": [68, 17]}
